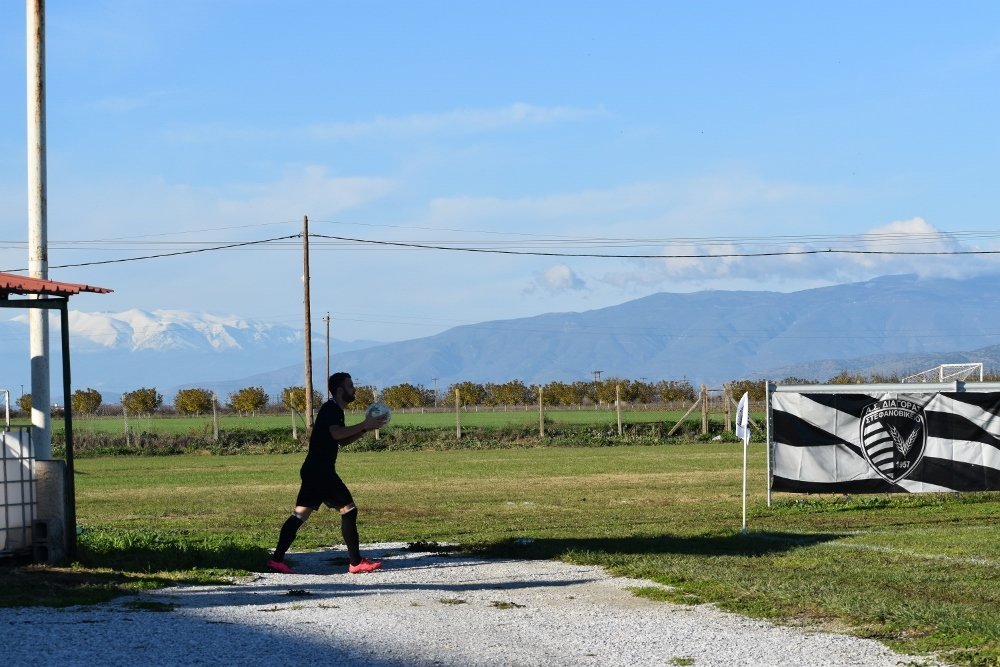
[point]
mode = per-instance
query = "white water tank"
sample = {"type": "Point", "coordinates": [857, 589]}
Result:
{"type": "Point", "coordinates": [18, 489]}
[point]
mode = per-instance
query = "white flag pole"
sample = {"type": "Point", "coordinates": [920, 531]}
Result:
{"type": "Point", "coordinates": [745, 443]}
{"type": "Point", "coordinates": [743, 430]}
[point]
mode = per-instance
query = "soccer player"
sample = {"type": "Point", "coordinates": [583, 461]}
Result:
{"type": "Point", "coordinates": [320, 482]}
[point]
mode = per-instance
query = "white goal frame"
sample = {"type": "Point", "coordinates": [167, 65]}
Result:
{"type": "Point", "coordinates": [947, 373]}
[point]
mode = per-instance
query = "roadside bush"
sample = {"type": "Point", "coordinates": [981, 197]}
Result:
{"type": "Point", "coordinates": [396, 438]}
{"type": "Point", "coordinates": [235, 441]}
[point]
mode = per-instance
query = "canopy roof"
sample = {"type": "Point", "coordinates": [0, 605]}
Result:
{"type": "Point", "coordinates": [14, 284]}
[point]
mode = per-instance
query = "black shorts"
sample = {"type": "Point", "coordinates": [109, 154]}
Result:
{"type": "Point", "coordinates": [326, 489]}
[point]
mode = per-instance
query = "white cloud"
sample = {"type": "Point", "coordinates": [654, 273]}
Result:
{"type": "Point", "coordinates": [126, 103]}
{"type": "Point", "coordinates": [647, 208]}
{"type": "Point", "coordinates": [701, 264]}
{"type": "Point", "coordinates": [557, 279]}
{"type": "Point", "coordinates": [458, 121]}
{"type": "Point", "coordinates": [310, 190]}
{"type": "Point", "coordinates": [131, 209]}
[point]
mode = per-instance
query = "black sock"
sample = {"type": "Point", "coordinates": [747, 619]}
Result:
{"type": "Point", "coordinates": [286, 537]}
{"type": "Point", "coordinates": [349, 528]}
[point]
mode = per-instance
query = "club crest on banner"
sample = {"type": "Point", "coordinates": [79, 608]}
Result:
{"type": "Point", "coordinates": [893, 437]}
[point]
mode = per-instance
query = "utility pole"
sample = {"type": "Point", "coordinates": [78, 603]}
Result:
{"type": "Point", "coordinates": [308, 315]}
{"type": "Point", "coordinates": [435, 392]}
{"type": "Point", "coordinates": [597, 386]}
{"type": "Point", "coordinates": [327, 383]}
{"type": "Point", "coordinates": [38, 245]}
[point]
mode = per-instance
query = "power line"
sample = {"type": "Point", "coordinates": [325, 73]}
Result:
{"type": "Point", "coordinates": [902, 236]}
{"type": "Point", "coordinates": [774, 253]}
{"type": "Point", "coordinates": [165, 254]}
{"type": "Point", "coordinates": [550, 253]}
{"type": "Point", "coordinates": [829, 240]}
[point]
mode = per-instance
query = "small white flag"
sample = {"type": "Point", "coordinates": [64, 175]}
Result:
{"type": "Point", "coordinates": [743, 418]}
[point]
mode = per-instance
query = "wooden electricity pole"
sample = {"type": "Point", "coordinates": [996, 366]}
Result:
{"type": "Point", "coordinates": [327, 383]}
{"type": "Point", "coordinates": [305, 297]}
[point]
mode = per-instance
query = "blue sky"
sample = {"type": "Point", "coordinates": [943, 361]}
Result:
{"type": "Point", "coordinates": [626, 128]}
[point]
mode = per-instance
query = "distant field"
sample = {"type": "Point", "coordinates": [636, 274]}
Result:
{"type": "Point", "coordinates": [484, 417]}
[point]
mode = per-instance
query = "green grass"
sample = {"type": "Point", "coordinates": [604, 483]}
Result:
{"type": "Point", "coordinates": [487, 417]}
{"type": "Point", "coordinates": [917, 572]}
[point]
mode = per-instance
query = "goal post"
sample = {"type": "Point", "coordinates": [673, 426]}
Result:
{"type": "Point", "coordinates": [948, 373]}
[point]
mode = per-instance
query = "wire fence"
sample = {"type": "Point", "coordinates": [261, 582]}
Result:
{"type": "Point", "coordinates": [111, 420]}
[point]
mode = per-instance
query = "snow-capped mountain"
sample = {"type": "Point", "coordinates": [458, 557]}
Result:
{"type": "Point", "coordinates": [894, 324]}
{"type": "Point", "coordinates": [117, 352]}
{"type": "Point", "coordinates": [163, 330]}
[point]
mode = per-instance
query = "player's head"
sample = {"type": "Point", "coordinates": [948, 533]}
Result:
{"type": "Point", "coordinates": [343, 383]}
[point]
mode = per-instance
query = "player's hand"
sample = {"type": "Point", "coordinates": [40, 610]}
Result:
{"type": "Point", "coordinates": [372, 423]}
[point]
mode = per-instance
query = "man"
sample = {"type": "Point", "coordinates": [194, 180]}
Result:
{"type": "Point", "coordinates": [320, 482]}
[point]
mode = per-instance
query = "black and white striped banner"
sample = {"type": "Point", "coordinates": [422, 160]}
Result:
{"type": "Point", "coordinates": [885, 442]}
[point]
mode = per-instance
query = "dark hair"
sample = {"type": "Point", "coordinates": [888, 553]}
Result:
{"type": "Point", "coordinates": [336, 380]}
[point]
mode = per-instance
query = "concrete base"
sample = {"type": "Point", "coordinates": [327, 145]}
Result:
{"type": "Point", "coordinates": [50, 529]}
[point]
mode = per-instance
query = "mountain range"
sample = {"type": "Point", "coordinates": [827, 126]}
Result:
{"type": "Point", "coordinates": [891, 324]}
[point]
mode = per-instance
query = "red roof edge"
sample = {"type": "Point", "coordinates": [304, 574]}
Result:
{"type": "Point", "coordinates": [14, 284]}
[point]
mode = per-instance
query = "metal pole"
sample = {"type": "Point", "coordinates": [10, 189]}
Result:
{"type": "Point", "coordinates": [746, 442]}
{"type": "Point", "coordinates": [68, 421]}
{"type": "Point", "coordinates": [38, 253]}
{"type": "Point", "coordinates": [308, 316]}
{"type": "Point", "coordinates": [768, 389]}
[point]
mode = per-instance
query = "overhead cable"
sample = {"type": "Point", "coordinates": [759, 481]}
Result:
{"type": "Point", "coordinates": [775, 253]}
{"type": "Point", "coordinates": [165, 254]}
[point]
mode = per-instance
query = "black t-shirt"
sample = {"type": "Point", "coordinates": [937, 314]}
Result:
{"type": "Point", "coordinates": [322, 447]}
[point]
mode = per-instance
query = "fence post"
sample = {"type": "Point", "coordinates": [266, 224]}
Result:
{"type": "Point", "coordinates": [541, 414]}
{"type": "Point", "coordinates": [215, 419]}
{"type": "Point", "coordinates": [726, 400]}
{"type": "Point", "coordinates": [704, 410]}
{"type": "Point", "coordinates": [618, 406]}
{"type": "Point", "coordinates": [681, 420]}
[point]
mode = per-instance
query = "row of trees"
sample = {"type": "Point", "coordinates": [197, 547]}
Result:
{"type": "Point", "coordinates": [145, 401]}
{"type": "Point", "coordinates": [253, 400]}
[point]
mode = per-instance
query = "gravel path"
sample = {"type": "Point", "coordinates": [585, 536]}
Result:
{"type": "Point", "coordinates": [421, 609]}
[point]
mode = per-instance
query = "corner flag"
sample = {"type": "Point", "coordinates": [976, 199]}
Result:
{"type": "Point", "coordinates": [743, 418]}
{"type": "Point", "coordinates": [743, 432]}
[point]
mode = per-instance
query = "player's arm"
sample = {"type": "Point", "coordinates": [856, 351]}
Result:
{"type": "Point", "coordinates": [345, 435]}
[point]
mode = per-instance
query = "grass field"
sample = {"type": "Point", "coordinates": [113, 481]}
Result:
{"type": "Point", "coordinates": [473, 417]}
{"type": "Point", "coordinates": [917, 572]}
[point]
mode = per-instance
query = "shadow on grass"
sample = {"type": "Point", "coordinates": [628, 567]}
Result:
{"type": "Point", "coordinates": [743, 545]}
{"type": "Point", "coordinates": [45, 586]}
{"type": "Point", "coordinates": [112, 563]}
{"type": "Point", "coordinates": [171, 555]}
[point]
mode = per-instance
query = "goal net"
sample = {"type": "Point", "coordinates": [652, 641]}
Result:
{"type": "Point", "coordinates": [948, 373]}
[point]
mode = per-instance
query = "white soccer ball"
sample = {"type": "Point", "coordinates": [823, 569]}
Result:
{"type": "Point", "coordinates": [379, 410]}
